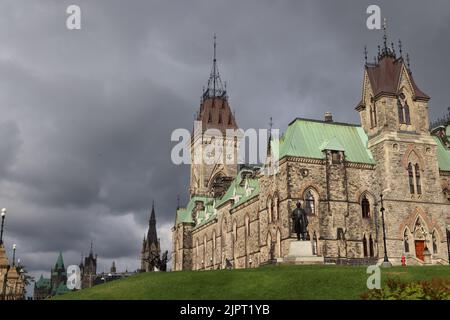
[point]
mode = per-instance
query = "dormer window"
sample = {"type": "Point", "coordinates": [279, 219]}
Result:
{"type": "Point", "coordinates": [335, 157]}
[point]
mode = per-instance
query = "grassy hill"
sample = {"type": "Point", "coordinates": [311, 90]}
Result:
{"type": "Point", "coordinates": [272, 282]}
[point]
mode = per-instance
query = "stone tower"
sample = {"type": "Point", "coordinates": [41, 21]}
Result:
{"type": "Point", "coordinates": [150, 253]}
{"type": "Point", "coordinates": [213, 170]}
{"type": "Point", "coordinates": [89, 269]}
{"type": "Point", "coordinates": [394, 114]}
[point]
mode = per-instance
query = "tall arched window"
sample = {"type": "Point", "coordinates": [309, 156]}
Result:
{"type": "Point", "coordinates": [247, 225]}
{"type": "Point", "coordinates": [274, 208]}
{"type": "Point", "coordinates": [365, 206]}
{"type": "Point", "coordinates": [375, 114]}
{"type": "Point", "coordinates": [434, 240]}
{"type": "Point", "coordinates": [418, 182]}
{"type": "Point", "coordinates": [411, 178]}
{"type": "Point", "coordinates": [407, 117]}
{"type": "Point", "coordinates": [310, 205]}
{"type": "Point", "coordinates": [371, 117]}
{"type": "Point", "coordinates": [365, 246]}
{"type": "Point", "coordinates": [406, 241]}
{"type": "Point", "coordinates": [401, 119]}
{"type": "Point", "coordinates": [371, 251]}
{"type": "Point", "coordinates": [269, 210]}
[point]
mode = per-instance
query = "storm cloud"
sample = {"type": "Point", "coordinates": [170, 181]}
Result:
{"type": "Point", "coordinates": [86, 116]}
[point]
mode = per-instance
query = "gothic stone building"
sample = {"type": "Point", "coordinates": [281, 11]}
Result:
{"type": "Point", "coordinates": [56, 285]}
{"type": "Point", "coordinates": [339, 170]}
{"type": "Point", "coordinates": [150, 252]}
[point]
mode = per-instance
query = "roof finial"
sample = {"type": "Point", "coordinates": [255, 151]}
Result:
{"type": "Point", "coordinates": [407, 61]}
{"type": "Point", "coordinates": [215, 86]}
{"type": "Point", "coordinates": [365, 53]}
{"type": "Point", "coordinates": [91, 251]}
{"type": "Point", "coordinates": [400, 47]}
{"type": "Point", "coordinates": [385, 35]}
{"type": "Point", "coordinates": [178, 201]}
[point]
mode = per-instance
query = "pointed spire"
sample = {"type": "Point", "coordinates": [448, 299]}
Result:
{"type": "Point", "coordinates": [365, 54]}
{"type": "Point", "coordinates": [215, 87]}
{"type": "Point", "coordinates": [400, 47]}
{"type": "Point", "coordinates": [91, 251]}
{"type": "Point", "coordinates": [385, 35]}
{"type": "Point", "coordinates": [407, 62]}
{"type": "Point", "coordinates": [178, 201]}
{"type": "Point", "coordinates": [152, 215]}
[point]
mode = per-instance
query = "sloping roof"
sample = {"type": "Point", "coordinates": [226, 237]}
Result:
{"type": "Point", "coordinates": [308, 138]}
{"type": "Point", "coordinates": [43, 283]}
{"type": "Point", "coordinates": [59, 262]}
{"type": "Point", "coordinates": [240, 190]}
{"type": "Point", "coordinates": [443, 154]}
{"type": "Point", "coordinates": [385, 75]}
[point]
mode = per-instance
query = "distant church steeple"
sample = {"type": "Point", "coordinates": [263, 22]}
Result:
{"type": "Point", "coordinates": [150, 245]}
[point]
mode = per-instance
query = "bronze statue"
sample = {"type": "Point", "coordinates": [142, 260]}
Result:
{"type": "Point", "coordinates": [300, 221]}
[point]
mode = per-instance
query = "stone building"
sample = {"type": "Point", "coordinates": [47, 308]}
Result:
{"type": "Point", "coordinates": [150, 252]}
{"type": "Point", "coordinates": [241, 217]}
{"type": "Point", "coordinates": [56, 285]}
{"type": "Point", "coordinates": [88, 269]}
{"type": "Point", "coordinates": [12, 282]}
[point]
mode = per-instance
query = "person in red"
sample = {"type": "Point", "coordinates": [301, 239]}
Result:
{"type": "Point", "coordinates": [403, 261]}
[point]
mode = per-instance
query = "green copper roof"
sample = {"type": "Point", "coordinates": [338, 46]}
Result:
{"type": "Point", "coordinates": [308, 138]}
{"type": "Point", "coordinates": [443, 154]}
{"type": "Point", "coordinates": [43, 283]}
{"type": "Point", "coordinates": [60, 262]}
{"type": "Point", "coordinates": [240, 191]}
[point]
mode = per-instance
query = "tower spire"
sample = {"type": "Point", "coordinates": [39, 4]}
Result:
{"type": "Point", "coordinates": [215, 87]}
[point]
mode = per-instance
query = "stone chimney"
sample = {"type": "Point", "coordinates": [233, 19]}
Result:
{"type": "Point", "coordinates": [328, 117]}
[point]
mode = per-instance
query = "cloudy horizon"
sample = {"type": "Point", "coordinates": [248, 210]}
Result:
{"type": "Point", "coordinates": [87, 115]}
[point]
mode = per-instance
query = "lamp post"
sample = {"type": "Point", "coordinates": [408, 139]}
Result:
{"type": "Point", "coordinates": [3, 223]}
{"type": "Point", "coordinates": [386, 263]}
{"type": "Point", "coordinates": [14, 255]}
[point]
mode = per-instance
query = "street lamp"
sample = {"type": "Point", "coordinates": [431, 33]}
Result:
{"type": "Point", "coordinates": [386, 263]}
{"type": "Point", "coordinates": [3, 223]}
{"type": "Point", "coordinates": [14, 255]}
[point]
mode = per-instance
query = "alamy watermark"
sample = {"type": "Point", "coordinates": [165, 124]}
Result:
{"type": "Point", "coordinates": [234, 146]}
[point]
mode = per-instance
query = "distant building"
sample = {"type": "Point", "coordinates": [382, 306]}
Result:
{"type": "Point", "coordinates": [88, 270]}
{"type": "Point", "coordinates": [56, 285]}
{"type": "Point", "coordinates": [11, 279]}
{"type": "Point", "coordinates": [151, 251]}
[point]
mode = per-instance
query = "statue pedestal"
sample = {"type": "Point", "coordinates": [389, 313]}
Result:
{"type": "Point", "coordinates": [301, 252]}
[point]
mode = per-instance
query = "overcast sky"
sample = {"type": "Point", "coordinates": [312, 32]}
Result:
{"type": "Point", "coordinates": [86, 116]}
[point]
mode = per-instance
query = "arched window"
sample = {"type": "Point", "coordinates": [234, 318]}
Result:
{"type": "Point", "coordinates": [407, 117]}
{"type": "Point", "coordinates": [401, 119]}
{"type": "Point", "coordinates": [418, 183]}
{"type": "Point", "coordinates": [411, 178]}
{"type": "Point", "coordinates": [310, 205]}
{"type": "Point", "coordinates": [269, 210]}
{"type": "Point", "coordinates": [406, 241]}
{"type": "Point", "coordinates": [434, 240]}
{"type": "Point", "coordinates": [371, 117]}
{"type": "Point", "coordinates": [247, 225]}
{"type": "Point", "coordinates": [274, 208]}
{"type": "Point", "coordinates": [365, 206]}
{"type": "Point", "coordinates": [365, 246]}
{"type": "Point", "coordinates": [375, 114]}
{"type": "Point", "coordinates": [371, 251]}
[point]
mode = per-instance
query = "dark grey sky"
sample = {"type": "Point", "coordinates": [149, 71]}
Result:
{"type": "Point", "coordinates": [87, 115]}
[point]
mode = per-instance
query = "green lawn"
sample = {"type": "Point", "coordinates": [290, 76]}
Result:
{"type": "Point", "coordinates": [272, 282]}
